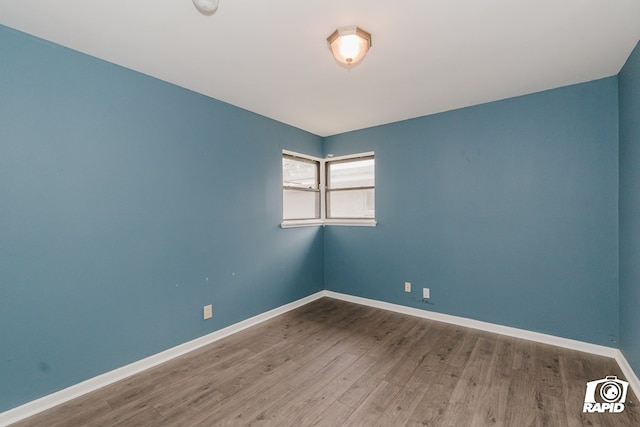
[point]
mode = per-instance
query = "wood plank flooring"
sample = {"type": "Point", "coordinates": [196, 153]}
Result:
{"type": "Point", "coordinates": [333, 363]}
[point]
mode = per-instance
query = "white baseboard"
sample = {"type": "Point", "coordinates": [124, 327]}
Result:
{"type": "Point", "coordinates": [628, 372]}
{"type": "Point", "coordinates": [477, 324]}
{"type": "Point", "coordinates": [502, 330]}
{"type": "Point", "coordinates": [62, 396]}
{"type": "Point", "coordinates": [92, 384]}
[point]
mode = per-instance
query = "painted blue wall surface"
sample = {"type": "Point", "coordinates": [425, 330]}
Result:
{"type": "Point", "coordinates": [507, 211]}
{"type": "Point", "coordinates": [126, 205]}
{"type": "Point", "coordinates": [629, 99]}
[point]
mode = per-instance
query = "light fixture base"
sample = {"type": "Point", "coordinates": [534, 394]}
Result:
{"type": "Point", "coordinates": [206, 7]}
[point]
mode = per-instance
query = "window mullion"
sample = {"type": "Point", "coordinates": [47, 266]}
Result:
{"type": "Point", "coordinates": [323, 190]}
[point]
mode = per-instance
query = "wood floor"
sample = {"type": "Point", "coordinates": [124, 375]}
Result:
{"type": "Point", "coordinates": [333, 363]}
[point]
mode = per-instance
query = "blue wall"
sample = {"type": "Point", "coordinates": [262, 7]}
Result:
{"type": "Point", "coordinates": [126, 205]}
{"type": "Point", "coordinates": [629, 90]}
{"type": "Point", "coordinates": [507, 211]}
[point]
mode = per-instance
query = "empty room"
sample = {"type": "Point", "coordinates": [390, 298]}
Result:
{"type": "Point", "coordinates": [332, 213]}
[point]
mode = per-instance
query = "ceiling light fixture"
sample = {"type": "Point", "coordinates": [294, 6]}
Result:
{"type": "Point", "coordinates": [206, 7]}
{"type": "Point", "coordinates": [349, 44]}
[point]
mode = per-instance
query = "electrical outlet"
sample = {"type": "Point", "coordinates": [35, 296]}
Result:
{"type": "Point", "coordinates": [208, 311]}
{"type": "Point", "coordinates": [407, 286]}
{"type": "Point", "coordinates": [425, 293]}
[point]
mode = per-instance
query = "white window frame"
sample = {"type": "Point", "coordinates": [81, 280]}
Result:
{"type": "Point", "coordinates": [323, 220]}
{"type": "Point", "coordinates": [307, 222]}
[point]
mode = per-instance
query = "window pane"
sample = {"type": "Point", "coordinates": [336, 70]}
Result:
{"type": "Point", "coordinates": [299, 204]}
{"type": "Point", "coordinates": [356, 173]}
{"type": "Point", "coordinates": [351, 204]}
{"type": "Point", "coordinates": [299, 173]}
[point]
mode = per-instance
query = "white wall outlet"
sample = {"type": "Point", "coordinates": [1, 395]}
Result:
{"type": "Point", "coordinates": [208, 311]}
{"type": "Point", "coordinates": [407, 286]}
{"type": "Point", "coordinates": [425, 293]}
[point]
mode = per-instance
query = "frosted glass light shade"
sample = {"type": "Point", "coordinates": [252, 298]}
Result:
{"type": "Point", "coordinates": [349, 44]}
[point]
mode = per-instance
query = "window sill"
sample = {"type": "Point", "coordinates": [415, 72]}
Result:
{"type": "Point", "coordinates": [301, 223]}
{"type": "Point", "coordinates": [352, 222]}
{"type": "Point", "coordinates": [340, 222]}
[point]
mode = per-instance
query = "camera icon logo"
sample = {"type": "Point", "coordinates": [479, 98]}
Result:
{"type": "Point", "coordinates": [605, 395]}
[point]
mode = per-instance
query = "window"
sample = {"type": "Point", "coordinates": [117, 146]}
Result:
{"type": "Point", "coordinates": [339, 191]}
{"type": "Point", "coordinates": [300, 188]}
{"type": "Point", "coordinates": [351, 188]}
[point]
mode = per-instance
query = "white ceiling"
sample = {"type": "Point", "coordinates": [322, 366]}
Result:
{"type": "Point", "coordinates": [271, 57]}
